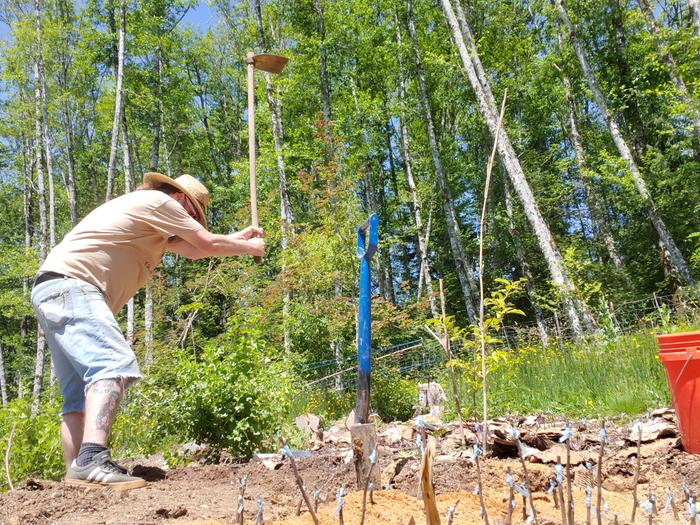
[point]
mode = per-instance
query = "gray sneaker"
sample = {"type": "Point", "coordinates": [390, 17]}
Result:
{"type": "Point", "coordinates": [102, 470]}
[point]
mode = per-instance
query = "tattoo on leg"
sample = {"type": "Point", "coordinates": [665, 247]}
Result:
{"type": "Point", "coordinates": [112, 389]}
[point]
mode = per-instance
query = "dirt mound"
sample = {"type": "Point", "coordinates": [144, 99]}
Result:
{"type": "Point", "coordinates": [208, 495]}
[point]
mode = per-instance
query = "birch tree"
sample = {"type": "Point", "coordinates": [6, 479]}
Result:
{"type": "Point", "coordinates": [694, 8]}
{"type": "Point", "coordinates": [118, 102]}
{"type": "Point", "coordinates": [417, 205]}
{"type": "Point", "coordinates": [671, 66]}
{"type": "Point", "coordinates": [576, 311]}
{"type": "Point", "coordinates": [275, 107]}
{"type": "Point", "coordinates": [39, 151]}
{"type": "Point", "coordinates": [3, 384]}
{"type": "Point", "coordinates": [666, 242]}
{"type": "Point", "coordinates": [453, 230]}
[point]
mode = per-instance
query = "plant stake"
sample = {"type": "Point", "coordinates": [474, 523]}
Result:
{"type": "Point", "coordinates": [599, 496]}
{"type": "Point", "coordinates": [511, 497]}
{"type": "Point", "coordinates": [559, 471]}
{"type": "Point", "coordinates": [566, 439]}
{"type": "Point", "coordinates": [259, 520]}
{"type": "Point", "coordinates": [516, 435]}
{"type": "Point", "coordinates": [476, 452]}
{"type": "Point", "coordinates": [635, 483]}
{"type": "Point", "coordinates": [451, 513]}
{"type": "Point", "coordinates": [300, 482]}
{"type": "Point", "coordinates": [372, 463]}
{"type": "Point", "coordinates": [243, 484]}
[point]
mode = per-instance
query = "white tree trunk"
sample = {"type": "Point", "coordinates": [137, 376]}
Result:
{"type": "Point", "coordinates": [524, 266]}
{"type": "Point", "coordinates": [694, 7]}
{"type": "Point", "coordinates": [3, 384]}
{"type": "Point", "coordinates": [667, 243]}
{"type": "Point", "coordinates": [424, 273]}
{"type": "Point", "coordinates": [45, 137]}
{"type": "Point", "coordinates": [595, 207]}
{"type": "Point", "coordinates": [128, 178]}
{"type": "Point", "coordinates": [575, 309]}
{"type": "Point", "coordinates": [118, 102]}
{"type": "Point", "coordinates": [65, 64]}
{"type": "Point", "coordinates": [41, 196]}
{"type": "Point", "coordinates": [286, 214]}
{"type": "Point", "coordinates": [453, 231]}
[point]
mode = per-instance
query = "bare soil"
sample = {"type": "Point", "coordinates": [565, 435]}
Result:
{"type": "Point", "coordinates": [208, 494]}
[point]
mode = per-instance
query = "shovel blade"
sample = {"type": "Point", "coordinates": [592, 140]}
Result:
{"type": "Point", "coordinates": [270, 63]}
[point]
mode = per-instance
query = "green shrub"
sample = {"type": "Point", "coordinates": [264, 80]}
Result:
{"type": "Point", "coordinates": [36, 443]}
{"type": "Point", "coordinates": [233, 396]}
{"type": "Point", "coordinates": [394, 397]}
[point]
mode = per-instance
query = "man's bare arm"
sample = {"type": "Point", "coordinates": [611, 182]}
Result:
{"type": "Point", "coordinates": [202, 243]}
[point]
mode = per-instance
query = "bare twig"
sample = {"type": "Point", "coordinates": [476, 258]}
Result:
{"type": "Point", "coordinates": [475, 456]}
{"type": "Point", "coordinates": [372, 463]}
{"type": "Point", "coordinates": [243, 483]}
{"type": "Point", "coordinates": [300, 483]}
{"type": "Point", "coordinates": [526, 480]}
{"type": "Point", "coordinates": [451, 513]}
{"type": "Point", "coordinates": [589, 494]}
{"type": "Point", "coordinates": [599, 495]}
{"type": "Point", "coordinates": [7, 457]}
{"type": "Point", "coordinates": [339, 508]}
{"type": "Point", "coordinates": [566, 439]}
{"type": "Point", "coordinates": [560, 491]}
{"type": "Point", "coordinates": [672, 504]}
{"type": "Point", "coordinates": [482, 328]}
{"type": "Point", "coordinates": [259, 519]}
{"type": "Point", "coordinates": [635, 483]}
{"type": "Point", "coordinates": [511, 498]}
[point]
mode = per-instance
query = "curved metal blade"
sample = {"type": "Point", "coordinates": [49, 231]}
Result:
{"type": "Point", "coordinates": [270, 63]}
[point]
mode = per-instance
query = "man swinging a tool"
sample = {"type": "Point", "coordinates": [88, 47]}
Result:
{"type": "Point", "coordinates": [86, 280]}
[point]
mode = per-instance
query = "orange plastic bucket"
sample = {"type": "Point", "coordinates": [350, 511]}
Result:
{"type": "Point", "coordinates": [680, 355]}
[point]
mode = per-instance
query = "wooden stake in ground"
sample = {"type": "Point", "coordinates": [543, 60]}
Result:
{"type": "Point", "coordinates": [635, 483]}
{"type": "Point", "coordinates": [482, 327]}
{"type": "Point", "coordinates": [432, 516]}
{"type": "Point", "coordinates": [300, 482]}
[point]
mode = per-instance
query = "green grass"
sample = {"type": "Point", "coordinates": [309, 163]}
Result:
{"type": "Point", "coordinates": [623, 376]}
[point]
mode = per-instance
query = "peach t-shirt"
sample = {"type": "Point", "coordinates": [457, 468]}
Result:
{"type": "Point", "coordinates": [119, 244]}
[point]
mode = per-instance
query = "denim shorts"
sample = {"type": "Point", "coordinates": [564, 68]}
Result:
{"type": "Point", "coordinates": [85, 340]}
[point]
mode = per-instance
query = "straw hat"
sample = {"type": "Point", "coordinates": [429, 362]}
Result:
{"type": "Point", "coordinates": [187, 184]}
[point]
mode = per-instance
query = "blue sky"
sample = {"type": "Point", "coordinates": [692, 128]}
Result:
{"type": "Point", "coordinates": [200, 18]}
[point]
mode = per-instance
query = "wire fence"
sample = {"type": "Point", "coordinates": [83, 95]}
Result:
{"type": "Point", "coordinates": [421, 358]}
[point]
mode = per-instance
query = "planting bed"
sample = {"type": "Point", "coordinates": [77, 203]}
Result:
{"type": "Point", "coordinates": [208, 494]}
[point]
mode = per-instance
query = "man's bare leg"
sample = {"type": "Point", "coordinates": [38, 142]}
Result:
{"type": "Point", "coordinates": [72, 435]}
{"type": "Point", "coordinates": [101, 405]}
